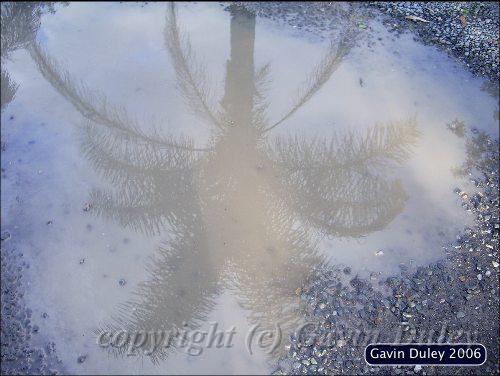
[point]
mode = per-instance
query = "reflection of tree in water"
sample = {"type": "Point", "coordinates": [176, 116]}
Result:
{"type": "Point", "coordinates": [476, 145]}
{"type": "Point", "coordinates": [492, 88]}
{"type": "Point", "coordinates": [19, 25]}
{"type": "Point", "coordinates": [457, 127]}
{"type": "Point", "coordinates": [9, 89]}
{"type": "Point", "coordinates": [244, 212]}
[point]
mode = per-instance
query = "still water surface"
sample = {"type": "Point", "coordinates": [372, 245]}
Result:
{"type": "Point", "coordinates": [169, 165]}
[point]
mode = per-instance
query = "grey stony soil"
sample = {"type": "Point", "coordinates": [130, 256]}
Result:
{"type": "Point", "coordinates": [20, 355]}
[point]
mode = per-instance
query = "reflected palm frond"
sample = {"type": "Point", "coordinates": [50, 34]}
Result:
{"type": "Point", "coordinates": [191, 76]}
{"type": "Point", "coordinates": [336, 185]}
{"type": "Point", "coordinates": [94, 106]}
{"type": "Point", "coordinates": [380, 146]}
{"type": "Point", "coordinates": [321, 73]}
{"type": "Point", "coordinates": [262, 82]}
{"type": "Point", "coordinates": [180, 291]}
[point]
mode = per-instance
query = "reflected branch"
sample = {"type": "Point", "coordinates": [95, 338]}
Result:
{"type": "Point", "coordinates": [261, 104]}
{"type": "Point", "coordinates": [321, 73]}
{"type": "Point", "coordinates": [180, 292]}
{"type": "Point", "coordinates": [191, 77]}
{"type": "Point", "coordinates": [92, 106]}
{"type": "Point", "coordinates": [333, 184]}
{"type": "Point", "coordinates": [380, 146]}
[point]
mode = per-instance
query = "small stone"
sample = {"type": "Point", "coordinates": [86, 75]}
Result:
{"type": "Point", "coordinates": [460, 315]}
{"type": "Point", "coordinates": [479, 276]}
{"type": "Point", "coordinates": [82, 261]}
{"type": "Point", "coordinates": [122, 282]}
{"type": "Point", "coordinates": [6, 235]}
{"type": "Point", "coordinates": [495, 264]}
{"type": "Point", "coordinates": [81, 358]}
{"type": "Point", "coordinates": [341, 343]}
{"type": "Point", "coordinates": [417, 368]}
{"type": "Point", "coordinates": [45, 315]}
{"type": "Point", "coordinates": [87, 207]}
{"type": "Point", "coordinates": [379, 253]}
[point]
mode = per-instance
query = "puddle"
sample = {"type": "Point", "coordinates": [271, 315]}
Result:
{"type": "Point", "coordinates": [178, 166]}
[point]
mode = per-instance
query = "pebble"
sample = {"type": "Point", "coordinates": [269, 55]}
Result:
{"type": "Point", "coordinates": [5, 235]}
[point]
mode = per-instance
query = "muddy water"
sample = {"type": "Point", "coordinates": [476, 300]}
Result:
{"type": "Point", "coordinates": [179, 166]}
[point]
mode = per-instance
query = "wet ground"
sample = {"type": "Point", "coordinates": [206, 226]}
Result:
{"type": "Point", "coordinates": [171, 166]}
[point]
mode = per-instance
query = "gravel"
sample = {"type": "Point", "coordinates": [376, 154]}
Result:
{"type": "Point", "coordinates": [19, 354]}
